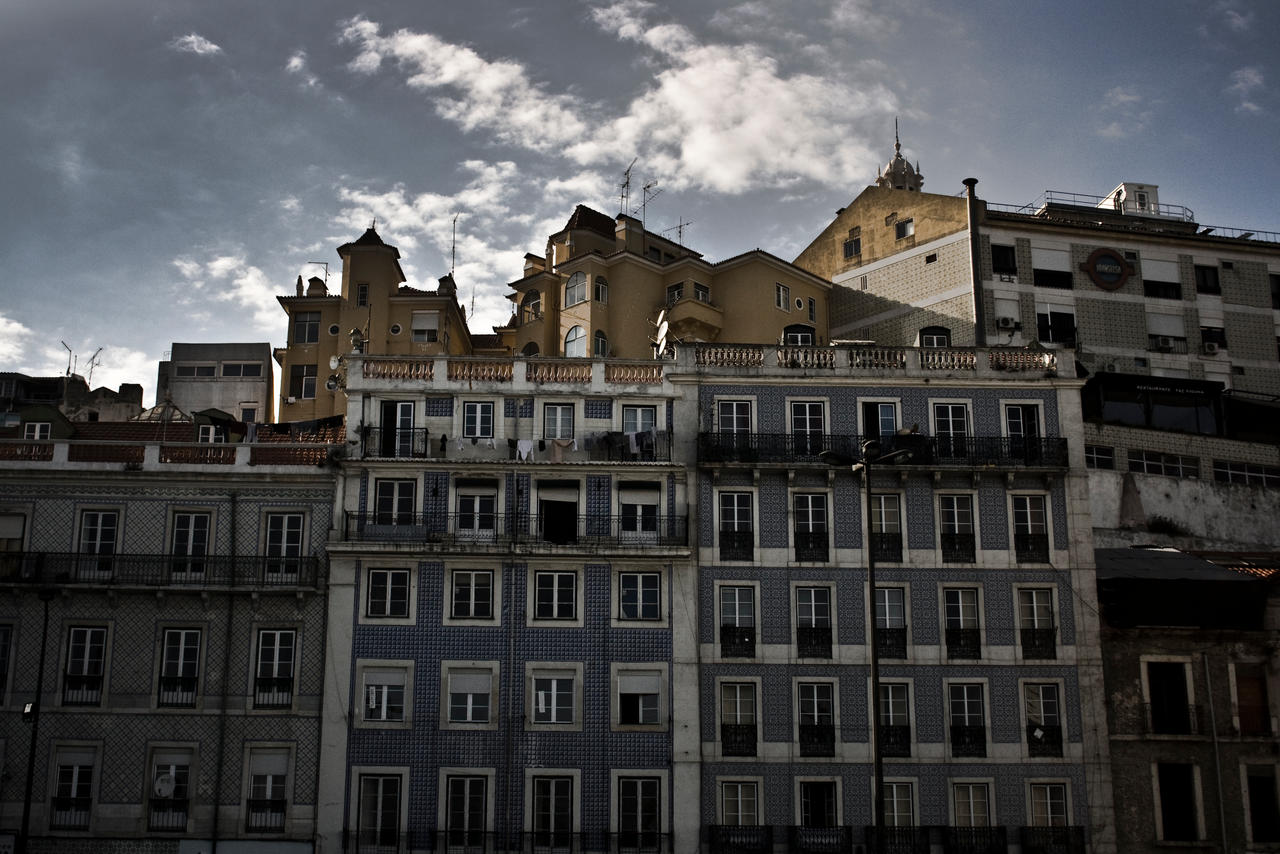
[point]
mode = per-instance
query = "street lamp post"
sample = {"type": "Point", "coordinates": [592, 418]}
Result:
{"type": "Point", "coordinates": [870, 452]}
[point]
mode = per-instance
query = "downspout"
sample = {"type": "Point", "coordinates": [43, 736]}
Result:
{"type": "Point", "coordinates": [226, 669]}
{"type": "Point", "coordinates": [1217, 759]}
{"type": "Point", "coordinates": [975, 266]}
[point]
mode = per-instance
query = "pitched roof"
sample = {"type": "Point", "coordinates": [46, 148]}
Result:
{"type": "Point", "coordinates": [592, 220]}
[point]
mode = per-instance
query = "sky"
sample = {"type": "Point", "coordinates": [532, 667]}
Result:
{"type": "Point", "coordinates": [171, 166]}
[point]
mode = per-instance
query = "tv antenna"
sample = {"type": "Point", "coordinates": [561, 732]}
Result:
{"type": "Point", "coordinates": [324, 264]}
{"type": "Point", "coordinates": [624, 197]}
{"type": "Point", "coordinates": [93, 362]}
{"type": "Point", "coordinates": [649, 194]}
{"type": "Point", "coordinates": [679, 228]}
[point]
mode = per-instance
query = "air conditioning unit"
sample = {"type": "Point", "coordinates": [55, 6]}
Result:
{"type": "Point", "coordinates": [1210, 348]}
{"type": "Point", "coordinates": [290, 400]}
{"type": "Point", "coordinates": [1164, 343]}
{"type": "Point", "coordinates": [1006, 323]}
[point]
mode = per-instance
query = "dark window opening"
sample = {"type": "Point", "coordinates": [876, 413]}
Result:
{"type": "Point", "coordinates": [1207, 280]}
{"type": "Point", "coordinates": [1177, 801]}
{"type": "Point", "coordinates": [1004, 260]}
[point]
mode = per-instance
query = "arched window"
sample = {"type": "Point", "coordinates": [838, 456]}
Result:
{"type": "Point", "coordinates": [531, 307]}
{"type": "Point", "coordinates": [575, 342]}
{"type": "Point", "coordinates": [575, 290]}
{"type": "Point", "coordinates": [602, 344]}
{"type": "Point", "coordinates": [935, 336]}
{"type": "Point", "coordinates": [530, 349]}
{"type": "Point", "coordinates": [798, 335]}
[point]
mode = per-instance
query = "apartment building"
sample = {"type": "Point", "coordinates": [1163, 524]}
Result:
{"type": "Point", "coordinates": [233, 378]}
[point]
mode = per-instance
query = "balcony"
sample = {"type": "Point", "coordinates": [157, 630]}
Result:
{"type": "Point", "coordinates": [416, 443]}
{"type": "Point", "coordinates": [820, 840]}
{"type": "Point", "coordinates": [931, 451]}
{"type": "Point", "coordinates": [959, 548]}
{"type": "Point", "coordinates": [1052, 840]}
{"type": "Point", "coordinates": [1031, 548]}
{"type": "Point", "coordinates": [975, 840]}
{"type": "Point", "coordinates": [265, 815]}
{"type": "Point", "coordinates": [504, 531]}
{"type": "Point", "coordinates": [273, 692]}
{"type": "Point", "coordinates": [167, 815]}
{"type": "Point", "coordinates": [905, 839]}
{"type": "Point", "coordinates": [968, 740]}
{"type": "Point", "coordinates": [813, 641]}
{"type": "Point", "coordinates": [69, 813]}
{"type": "Point", "coordinates": [177, 692]}
{"type": "Point", "coordinates": [817, 740]}
{"type": "Point", "coordinates": [81, 689]}
{"type": "Point", "coordinates": [152, 570]}
{"type": "Point", "coordinates": [895, 740]}
{"type": "Point", "coordinates": [737, 545]}
{"type": "Point", "coordinates": [812, 546]}
{"type": "Point", "coordinates": [737, 739]}
{"type": "Point", "coordinates": [891, 642]}
{"type": "Point", "coordinates": [1039, 643]}
{"type": "Point", "coordinates": [741, 839]}
{"type": "Point", "coordinates": [737, 641]}
{"type": "Point", "coordinates": [964, 644]}
{"type": "Point", "coordinates": [886, 546]}
{"type": "Point", "coordinates": [1044, 739]}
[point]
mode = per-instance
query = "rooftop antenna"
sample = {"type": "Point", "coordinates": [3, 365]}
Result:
{"type": "Point", "coordinates": [453, 246]}
{"type": "Point", "coordinates": [324, 264]}
{"type": "Point", "coordinates": [679, 228]}
{"type": "Point", "coordinates": [69, 356]}
{"type": "Point", "coordinates": [625, 196]}
{"type": "Point", "coordinates": [649, 195]}
{"type": "Point", "coordinates": [94, 361]}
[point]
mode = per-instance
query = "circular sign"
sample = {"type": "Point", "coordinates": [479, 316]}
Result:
{"type": "Point", "coordinates": [1107, 269]}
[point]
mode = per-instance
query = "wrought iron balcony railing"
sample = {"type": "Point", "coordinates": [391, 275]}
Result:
{"type": "Point", "coordinates": [737, 739]}
{"type": "Point", "coordinates": [69, 813]}
{"type": "Point", "coordinates": [959, 548]}
{"type": "Point", "coordinates": [964, 643]}
{"type": "Point", "coordinates": [81, 689]}
{"type": "Point", "coordinates": [968, 740]}
{"type": "Point", "coordinates": [1039, 643]}
{"type": "Point", "coordinates": [886, 546]}
{"type": "Point", "coordinates": [820, 840]}
{"type": "Point", "coordinates": [737, 545]}
{"type": "Point", "coordinates": [817, 740]}
{"type": "Point", "coordinates": [895, 740]}
{"type": "Point", "coordinates": [168, 815]}
{"type": "Point", "coordinates": [741, 838]}
{"type": "Point", "coordinates": [975, 840]}
{"type": "Point", "coordinates": [902, 839]}
{"type": "Point", "coordinates": [891, 642]}
{"type": "Point", "coordinates": [813, 641]}
{"type": "Point", "coordinates": [177, 692]}
{"type": "Point", "coordinates": [153, 570]}
{"type": "Point", "coordinates": [645, 446]}
{"type": "Point", "coordinates": [963, 451]}
{"type": "Point", "coordinates": [1044, 739]}
{"type": "Point", "coordinates": [503, 530]}
{"type": "Point", "coordinates": [813, 546]}
{"type": "Point", "coordinates": [265, 815]}
{"type": "Point", "coordinates": [1031, 548]}
{"type": "Point", "coordinates": [738, 641]}
{"type": "Point", "coordinates": [273, 692]}
{"type": "Point", "coordinates": [1052, 840]}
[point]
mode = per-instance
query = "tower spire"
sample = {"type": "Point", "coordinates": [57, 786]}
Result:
{"type": "Point", "coordinates": [899, 174]}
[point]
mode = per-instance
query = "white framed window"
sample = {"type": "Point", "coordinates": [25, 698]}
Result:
{"type": "Point", "coordinates": [935, 336]}
{"type": "Point", "coordinates": [36, 431]}
{"type": "Point", "coordinates": [739, 803]}
{"type": "Point", "coordinates": [1030, 528]}
{"type": "Point", "coordinates": [557, 420]}
{"type": "Point", "coordinates": [575, 289]}
{"type": "Point", "coordinates": [73, 787]}
{"type": "Point", "coordinates": [273, 672]}
{"type": "Point", "coordinates": [739, 717]}
{"type": "Point", "coordinates": [387, 593]}
{"type": "Point", "coordinates": [951, 427]}
{"type": "Point", "coordinates": [267, 788]}
{"type": "Point", "coordinates": [639, 419]}
{"type": "Point", "coordinates": [737, 622]}
{"type": "Point", "coordinates": [477, 419]}
{"type": "Point", "coordinates": [886, 526]}
{"type": "Point", "coordinates": [808, 425]}
{"type": "Point", "coordinates": [879, 419]}
{"type": "Point", "coordinates": [814, 620]}
{"type": "Point", "coordinates": [477, 517]}
{"type": "Point", "coordinates": [962, 623]}
{"type": "Point", "coordinates": [818, 802]}
{"type": "Point", "coordinates": [971, 804]}
{"type": "Point", "coordinates": [640, 696]}
{"type": "Point", "coordinates": [899, 803]}
{"type": "Point", "coordinates": [637, 814]}
{"type": "Point", "coordinates": [638, 510]}
{"type": "Point", "coordinates": [189, 542]}
{"type": "Point", "coordinates": [600, 348]}
{"type": "Point", "coordinates": [815, 716]}
{"type": "Point", "coordinates": [1047, 804]}
{"type": "Point", "coordinates": [179, 680]}
{"type": "Point", "coordinates": [283, 540]}
{"type": "Point", "coordinates": [782, 296]}
{"type": "Point", "coordinates": [386, 693]}
{"type": "Point", "coordinates": [208, 434]}
{"type": "Point", "coordinates": [966, 714]}
{"type": "Point", "coordinates": [380, 811]}
{"type": "Point", "coordinates": [425, 327]}
{"type": "Point", "coordinates": [575, 342]}
{"type": "Point", "coordinates": [99, 530]}
{"type": "Point", "coordinates": [85, 666]}
{"type": "Point", "coordinates": [957, 532]}
{"type": "Point", "coordinates": [1042, 717]}
{"type": "Point", "coordinates": [551, 807]}
{"type": "Point", "coordinates": [473, 596]}
{"type": "Point", "coordinates": [895, 718]}
{"type": "Point", "coordinates": [601, 289]}
{"type": "Point", "coordinates": [394, 501]}
{"type": "Point", "coordinates": [812, 541]}
{"type": "Point", "coordinates": [639, 596]}
{"type": "Point", "coordinates": [1035, 608]}
{"type": "Point", "coordinates": [556, 595]}
{"type": "Point", "coordinates": [469, 694]}
{"type": "Point", "coordinates": [466, 807]}
{"type": "Point", "coordinates": [169, 789]}
{"type": "Point", "coordinates": [733, 416]}
{"type": "Point", "coordinates": [904, 228]}
{"type": "Point", "coordinates": [737, 525]}
{"type": "Point", "coordinates": [554, 695]}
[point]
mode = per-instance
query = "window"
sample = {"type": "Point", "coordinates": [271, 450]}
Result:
{"type": "Point", "coordinates": [891, 622]}
{"type": "Point", "coordinates": [811, 540]}
{"type": "Point", "coordinates": [242, 369]}
{"type": "Point", "coordinates": [268, 798]}
{"type": "Point", "coordinates": [737, 621]}
{"type": "Point", "coordinates": [968, 721]}
{"type": "Point", "coordinates": [378, 823]}
{"type": "Point", "coordinates": [1176, 781]}
{"type": "Point", "coordinates": [817, 730]}
{"type": "Point", "coordinates": [384, 693]}
{"type": "Point", "coordinates": [477, 516]}
{"type": "Point", "coordinates": [6, 649]}
{"type": "Point", "coordinates": [1048, 804]}
{"type": "Point", "coordinates": [284, 546]}
{"type": "Point", "coordinates": [575, 342]}
{"type": "Point", "coordinates": [395, 435]}
{"type": "Point", "coordinates": [248, 414]}
{"type": "Point", "coordinates": [557, 420]}
{"type": "Point", "coordinates": [477, 420]}
{"type": "Point", "coordinates": [1035, 621]}
{"type": "Point", "coordinates": [575, 290]}
{"type": "Point", "coordinates": [555, 595]}
{"type": "Point", "coordinates": [424, 327]}
{"type": "Point", "coordinates": [470, 694]}
{"type": "Point", "coordinates": [36, 431]}
{"type": "Point", "coordinates": [1213, 336]}
{"type": "Point", "coordinates": [82, 677]}
{"type": "Point", "coordinates": [895, 719]}
{"type": "Point", "coordinates": [1051, 268]}
{"type": "Point", "coordinates": [1004, 260]}
{"type": "Point", "coordinates": [638, 596]}
{"type": "Point", "coordinates": [639, 694]}
{"type": "Point", "coordinates": [886, 527]}
{"type": "Point", "coordinates": [879, 419]}
{"type": "Point", "coordinates": [273, 682]}
{"type": "Point", "coordinates": [951, 426]}
{"type": "Point", "coordinates": [1100, 457]}
{"type": "Point", "coordinates": [813, 622]}
{"type": "Point", "coordinates": [1253, 704]}
{"type": "Point", "coordinates": [302, 382]}
{"type": "Point", "coordinates": [1229, 471]}
{"type": "Point", "coordinates": [1155, 462]}
{"type": "Point", "coordinates": [904, 228]}
{"type": "Point", "coordinates": [1161, 290]}
{"type": "Point", "coordinates": [639, 419]}
{"type": "Point", "coordinates": [955, 517]}
{"type": "Point", "coordinates": [971, 804]}
{"type": "Point", "coordinates": [1043, 712]}
{"type": "Point", "coordinates": [202, 371]}
{"type": "Point", "coordinates": [306, 327]}
{"type": "Point", "coordinates": [639, 813]}
{"type": "Point", "coordinates": [602, 289]}
{"type": "Point", "coordinates": [73, 789]}
{"type": "Point", "coordinates": [1274, 278]}
{"type": "Point", "coordinates": [738, 719]}
{"type": "Point", "coordinates": [808, 425]}
{"type": "Point", "coordinates": [362, 295]}
{"type": "Point", "coordinates": [98, 531]}
{"type": "Point", "coordinates": [737, 537]}
{"type": "Point", "coordinates": [553, 698]}
{"type": "Point", "coordinates": [1264, 809]}
{"type": "Point", "coordinates": [813, 310]}
{"type": "Point", "coordinates": [552, 810]}
{"type": "Point", "coordinates": [1030, 529]}
{"type": "Point", "coordinates": [1207, 280]}
{"type": "Point", "coordinates": [1056, 324]}
{"type": "Point", "coordinates": [899, 806]}
{"type": "Point", "coordinates": [935, 336]}
{"type": "Point", "coordinates": [782, 296]}
{"type": "Point", "coordinates": [388, 593]}
{"type": "Point", "coordinates": [963, 637]}
{"type": "Point", "coordinates": [179, 668]}
{"type": "Point", "coordinates": [738, 804]}
{"type": "Point", "coordinates": [852, 247]}
{"type": "Point", "coordinates": [190, 543]}
{"type": "Point", "coordinates": [466, 812]}
{"type": "Point", "coordinates": [472, 594]}
{"type": "Point", "coordinates": [675, 293]}
{"type": "Point", "coordinates": [798, 335]}
{"type": "Point", "coordinates": [638, 511]}
{"type": "Point", "coordinates": [169, 790]}
{"type": "Point", "coordinates": [1169, 704]}
{"type": "Point", "coordinates": [701, 292]}
{"type": "Point", "coordinates": [601, 344]}
{"type": "Point", "coordinates": [209, 434]}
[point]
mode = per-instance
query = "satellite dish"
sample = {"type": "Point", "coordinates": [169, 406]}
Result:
{"type": "Point", "coordinates": [331, 383]}
{"type": "Point", "coordinates": [333, 363]}
{"type": "Point", "coordinates": [662, 317]}
{"type": "Point", "coordinates": [662, 330]}
{"type": "Point", "coordinates": [165, 784]}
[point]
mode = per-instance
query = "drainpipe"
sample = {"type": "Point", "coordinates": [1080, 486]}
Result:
{"type": "Point", "coordinates": [975, 265]}
{"type": "Point", "coordinates": [226, 668]}
{"type": "Point", "coordinates": [1217, 760]}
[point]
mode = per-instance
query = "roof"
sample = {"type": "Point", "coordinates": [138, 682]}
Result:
{"type": "Point", "coordinates": [1160, 564]}
{"type": "Point", "coordinates": [162, 412]}
{"type": "Point", "coordinates": [592, 220]}
{"type": "Point", "coordinates": [369, 239]}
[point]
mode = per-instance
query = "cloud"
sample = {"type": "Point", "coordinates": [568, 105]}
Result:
{"type": "Point", "coordinates": [229, 278]}
{"type": "Point", "coordinates": [1119, 96]}
{"type": "Point", "coordinates": [858, 16]}
{"type": "Point", "coordinates": [15, 341]}
{"type": "Point", "coordinates": [1132, 114]}
{"type": "Point", "coordinates": [1244, 82]}
{"type": "Point", "coordinates": [195, 43]}
{"type": "Point", "coordinates": [290, 204]}
{"type": "Point", "coordinates": [1234, 18]}
{"type": "Point", "coordinates": [297, 65]}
